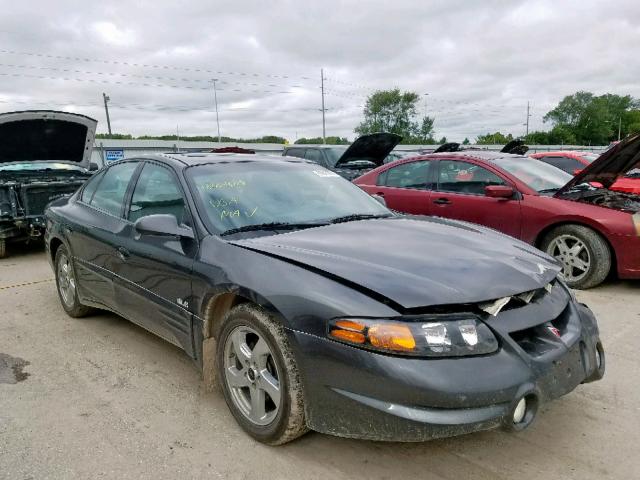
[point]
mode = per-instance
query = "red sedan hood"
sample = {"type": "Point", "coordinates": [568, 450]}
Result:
{"type": "Point", "coordinates": [611, 165]}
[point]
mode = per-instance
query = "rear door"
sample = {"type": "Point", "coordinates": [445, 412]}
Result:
{"type": "Point", "coordinates": [407, 187]}
{"type": "Point", "coordinates": [460, 195]}
{"type": "Point", "coordinates": [94, 236]}
{"type": "Point", "coordinates": [154, 288]}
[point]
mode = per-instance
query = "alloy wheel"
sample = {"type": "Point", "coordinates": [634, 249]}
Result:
{"type": "Point", "coordinates": [574, 255]}
{"type": "Point", "coordinates": [66, 281]}
{"type": "Point", "coordinates": [252, 375]}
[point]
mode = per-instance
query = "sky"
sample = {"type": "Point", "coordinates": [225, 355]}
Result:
{"type": "Point", "coordinates": [475, 64]}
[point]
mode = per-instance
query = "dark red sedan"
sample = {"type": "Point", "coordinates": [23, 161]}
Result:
{"type": "Point", "coordinates": [573, 162]}
{"type": "Point", "coordinates": [591, 229]}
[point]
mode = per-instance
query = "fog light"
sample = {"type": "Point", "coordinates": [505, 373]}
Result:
{"type": "Point", "coordinates": [520, 411]}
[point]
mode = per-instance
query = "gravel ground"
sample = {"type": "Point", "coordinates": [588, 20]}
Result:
{"type": "Point", "coordinates": [102, 398]}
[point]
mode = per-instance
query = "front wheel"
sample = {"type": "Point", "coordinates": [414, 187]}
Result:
{"type": "Point", "coordinates": [584, 254]}
{"type": "Point", "coordinates": [259, 376]}
{"type": "Point", "coordinates": [67, 286]}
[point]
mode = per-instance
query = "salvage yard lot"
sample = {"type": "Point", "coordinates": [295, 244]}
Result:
{"type": "Point", "coordinates": [104, 398]}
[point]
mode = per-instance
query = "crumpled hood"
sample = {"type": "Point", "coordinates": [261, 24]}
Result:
{"type": "Point", "coordinates": [415, 261]}
{"type": "Point", "coordinates": [46, 136]}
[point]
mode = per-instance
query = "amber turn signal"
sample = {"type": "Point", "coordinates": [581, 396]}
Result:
{"type": "Point", "coordinates": [392, 336]}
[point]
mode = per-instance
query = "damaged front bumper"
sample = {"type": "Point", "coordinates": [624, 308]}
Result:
{"type": "Point", "coordinates": [361, 394]}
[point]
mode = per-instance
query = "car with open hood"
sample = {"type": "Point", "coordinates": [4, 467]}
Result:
{"type": "Point", "coordinates": [349, 161]}
{"type": "Point", "coordinates": [573, 162]}
{"type": "Point", "coordinates": [591, 229]}
{"type": "Point", "coordinates": [43, 155]}
{"type": "Point", "coordinates": [316, 307]}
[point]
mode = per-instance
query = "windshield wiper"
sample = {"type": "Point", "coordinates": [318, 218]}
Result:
{"type": "Point", "coordinates": [271, 226]}
{"type": "Point", "coordinates": [360, 216]}
{"type": "Point", "coordinates": [548, 190]}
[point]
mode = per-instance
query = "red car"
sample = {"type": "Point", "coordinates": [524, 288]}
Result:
{"type": "Point", "coordinates": [573, 162]}
{"type": "Point", "coordinates": [590, 230]}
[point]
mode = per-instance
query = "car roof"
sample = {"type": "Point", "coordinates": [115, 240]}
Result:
{"type": "Point", "coordinates": [182, 160]}
{"type": "Point", "coordinates": [486, 155]}
{"type": "Point", "coordinates": [289, 147]}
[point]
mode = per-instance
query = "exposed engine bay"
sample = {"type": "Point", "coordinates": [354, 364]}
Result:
{"type": "Point", "coordinates": [624, 202]}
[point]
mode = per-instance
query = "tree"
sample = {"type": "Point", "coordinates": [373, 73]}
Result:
{"type": "Point", "coordinates": [584, 118]}
{"type": "Point", "coordinates": [466, 141]}
{"type": "Point", "coordinates": [395, 112]}
{"type": "Point", "coordinates": [318, 140]}
{"type": "Point", "coordinates": [496, 138]}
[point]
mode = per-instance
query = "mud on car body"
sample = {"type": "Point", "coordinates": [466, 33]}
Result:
{"type": "Point", "coordinates": [269, 273]}
{"type": "Point", "coordinates": [44, 155]}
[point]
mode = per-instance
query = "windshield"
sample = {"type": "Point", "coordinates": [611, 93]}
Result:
{"type": "Point", "coordinates": [237, 195]}
{"type": "Point", "coordinates": [20, 167]}
{"type": "Point", "coordinates": [334, 154]}
{"type": "Point", "coordinates": [540, 176]}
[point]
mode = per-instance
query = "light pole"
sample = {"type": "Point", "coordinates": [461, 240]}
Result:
{"type": "Point", "coordinates": [215, 99]}
{"type": "Point", "coordinates": [106, 99]}
{"type": "Point", "coordinates": [324, 131]}
{"type": "Point", "coordinates": [425, 103]}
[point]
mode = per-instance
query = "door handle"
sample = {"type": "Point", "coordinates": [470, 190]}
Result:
{"type": "Point", "coordinates": [442, 201]}
{"type": "Point", "coordinates": [123, 253]}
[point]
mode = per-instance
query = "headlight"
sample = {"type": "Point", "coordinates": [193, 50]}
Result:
{"type": "Point", "coordinates": [449, 335]}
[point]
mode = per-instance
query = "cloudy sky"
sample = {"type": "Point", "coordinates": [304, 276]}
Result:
{"type": "Point", "coordinates": [478, 61]}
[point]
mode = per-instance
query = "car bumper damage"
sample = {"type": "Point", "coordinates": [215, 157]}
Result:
{"type": "Point", "coordinates": [547, 348]}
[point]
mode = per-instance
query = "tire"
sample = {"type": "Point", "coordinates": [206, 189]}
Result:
{"type": "Point", "coordinates": [592, 262]}
{"type": "Point", "coordinates": [3, 248]}
{"type": "Point", "coordinates": [247, 372]}
{"type": "Point", "coordinates": [66, 285]}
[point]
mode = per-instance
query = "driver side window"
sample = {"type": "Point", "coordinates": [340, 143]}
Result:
{"type": "Point", "coordinates": [157, 192]}
{"type": "Point", "coordinates": [463, 177]}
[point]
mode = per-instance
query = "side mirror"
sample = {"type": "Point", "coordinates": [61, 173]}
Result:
{"type": "Point", "coordinates": [93, 166]}
{"type": "Point", "coordinates": [499, 191]}
{"type": "Point", "coordinates": [162, 225]}
{"type": "Point", "coordinates": [379, 198]}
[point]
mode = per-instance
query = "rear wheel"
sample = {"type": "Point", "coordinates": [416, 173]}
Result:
{"type": "Point", "coordinates": [259, 376]}
{"type": "Point", "coordinates": [67, 286]}
{"type": "Point", "coordinates": [584, 254]}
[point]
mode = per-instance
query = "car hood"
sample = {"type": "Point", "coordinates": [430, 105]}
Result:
{"type": "Point", "coordinates": [373, 147]}
{"type": "Point", "coordinates": [609, 166]}
{"type": "Point", "coordinates": [46, 136]}
{"type": "Point", "coordinates": [412, 262]}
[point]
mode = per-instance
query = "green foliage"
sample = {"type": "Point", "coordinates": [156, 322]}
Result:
{"type": "Point", "coordinates": [466, 141]}
{"type": "Point", "coordinates": [583, 118]}
{"type": "Point", "coordinates": [318, 141]}
{"type": "Point", "coordinates": [442, 141]}
{"type": "Point", "coordinates": [116, 136]}
{"type": "Point", "coordinates": [396, 112]}
{"type": "Point", "coordinates": [496, 138]}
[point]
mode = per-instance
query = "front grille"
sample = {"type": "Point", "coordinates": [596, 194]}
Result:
{"type": "Point", "coordinates": [36, 197]}
{"type": "Point", "coordinates": [541, 339]}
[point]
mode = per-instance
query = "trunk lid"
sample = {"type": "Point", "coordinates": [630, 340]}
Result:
{"type": "Point", "coordinates": [42, 136]}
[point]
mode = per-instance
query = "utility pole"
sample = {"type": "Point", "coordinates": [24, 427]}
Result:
{"type": "Point", "coordinates": [106, 99]}
{"type": "Point", "coordinates": [324, 130]}
{"type": "Point", "coordinates": [619, 127]}
{"type": "Point", "coordinates": [215, 98]}
{"type": "Point", "coordinates": [528, 115]}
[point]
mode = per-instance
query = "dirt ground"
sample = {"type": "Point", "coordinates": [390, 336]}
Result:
{"type": "Point", "coordinates": [102, 398]}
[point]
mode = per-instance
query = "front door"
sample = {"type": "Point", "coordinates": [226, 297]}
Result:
{"type": "Point", "coordinates": [460, 195]}
{"type": "Point", "coordinates": [155, 271]}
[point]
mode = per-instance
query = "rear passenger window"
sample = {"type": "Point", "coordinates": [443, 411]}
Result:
{"type": "Point", "coordinates": [90, 187]}
{"type": "Point", "coordinates": [109, 195]}
{"type": "Point", "coordinates": [408, 175]}
{"type": "Point", "coordinates": [157, 192]}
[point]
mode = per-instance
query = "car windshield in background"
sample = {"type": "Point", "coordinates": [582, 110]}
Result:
{"type": "Point", "coordinates": [590, 157]}
{"type": "Point", "coordinates": [334, 154]}
{"type": "Point", "coordinates": [539, 176]}
{"type": "Point", "coordinates": [34, 166]}
{"type": "Point", "coordinates": [238, 196]}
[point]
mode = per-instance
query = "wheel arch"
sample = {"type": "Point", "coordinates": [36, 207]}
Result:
{"type": "Point", "coordinates": [54, 245]}
{"type": "Point", "coordinates": [543, 233]}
